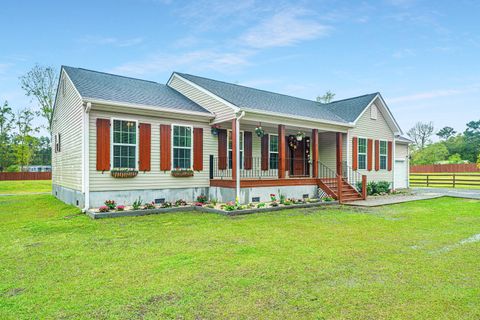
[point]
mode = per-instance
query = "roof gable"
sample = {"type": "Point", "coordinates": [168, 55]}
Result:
{"type": "Point", "coordinates": [114, 88]}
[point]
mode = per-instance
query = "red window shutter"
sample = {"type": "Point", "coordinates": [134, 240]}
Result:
{"type": "Point", "coordinates": [103, 144]}
{"type": "Point", "coordinates": [370, 155]}
{"type": "Point", "coordinates": [165, 147]}
{"type": "Point", "coordinates": [144, 149]}
{"type": "Point", "coordinates": [287, 155]}
{"type": "Point", "coordinates": [247, 150]}
{"type": "Point", "coordinates": [390, 155]}
{"type": "Point", "coordinates": [198, 149]}
{"type": "Point", "coordinates": [355, 153]}
{"type": "Point", "coordinates": [377, 155]}
{"type": "Point", "coordinates": [222, 149]}
{"type": "Point", "coordinates": [264, 152]}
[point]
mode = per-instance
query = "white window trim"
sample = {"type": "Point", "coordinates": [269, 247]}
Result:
{"type": "Point", "coordinates": [269, 136]}
{"type": "Point", "coordinates": [172, 146]}
{"type": "Point", "coordinates": [366, 153]}
{"type": "Point", "coordinates": [242, 150]}
{"type": "Point", "coordinates": [380, 154]}
{"type": "Point", "coordinates": [112, 143]}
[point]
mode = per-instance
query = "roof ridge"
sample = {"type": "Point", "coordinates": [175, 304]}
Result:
{"type": "Point", "coordinates": [363, 95]}
{"type": "Point", "coordinates": [112, 74]}
{"type": "Point", "coordinates": [240, 85]}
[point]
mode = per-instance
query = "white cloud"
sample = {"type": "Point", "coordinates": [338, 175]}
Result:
{"type": "Point", "coordinates": [113, 41]}
{"type": "Point", "coordinates": [284, 28]}
{"type": "Point", "coordinates": [435, 94]}
{"type": "Point", "coordinates": [194, 60]}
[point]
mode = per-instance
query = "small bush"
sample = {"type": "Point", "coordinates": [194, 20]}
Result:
{"type": "Point", "coordinates": [111, 204]}
{"type": "Point", "coordinates": [149, 205]}
{"type": "Point", "coordinates": [214, 202]}
{"type": "Point", "coordinates": [202, 198]}
{"type": "Point", "coordinates": [137, 204]}
{"type": "Point", "coordinates": [166, 204]}
{"type": "Point", "coordinates": [229, 206]}
{"type": "Point", "coordinates": [261, 205]}
{"type": "Point", "coordinates": [120, 207]}
{"type": "Point", "coordinates": [274, 204]}
{"type": "Point", "coordinates": [273, 197]}
{"type": "Point", "coordinates": [180, 203]}
{"type": "Point", "coordinates": [104, 209]}
{"type": "Point", "coordinates": [383, 187]}
{"type": "Point", "coordinates": [328, 199]}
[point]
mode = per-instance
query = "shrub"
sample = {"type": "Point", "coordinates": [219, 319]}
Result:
{"type": "Point", "coordinates": [274, 204]}
{"type": "Point", "coordinates": [166, 204]}
{"type": "Point", "coordinates": [261, 205]}
{"type": "Point", "coordinates": [282, 199]}
{"type": "Point", "coordinates": [180, 203]}
{"type": "Point", "coordinates": [199, 204]}
{"type": "Point", "coordinates": [149, 205]}
{"type": "Point", "coordinates": [214, 202]}
{"type": "Point", "coordinates": [104, 209]}
{"type": "Point", "coordinates": [328, 199]}
{"type": "Point", "coordinates": [383, 187]}
{"type": "Point", "coordinates": [273, 197]}
{"type": "Point", "coordinates": [229, 206]}
{"type": "Point", "coordinates": [202, 198]}
{"type": "Point", "coordinates": [137, 203]}
{"type": "Point", "coordinates": [287, 202]}
{"type": "Point", "coordinates": [120, 207]}
{"type": "Point", "coordinates": [111, 204]}
{"type": "Point", "coordinates": [313, 200]}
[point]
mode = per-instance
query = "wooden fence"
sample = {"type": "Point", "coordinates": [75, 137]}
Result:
{"type": "Point", "coordinates": [445, 180]}
{"type": "Point", "coordinates": [441, 168]}
{"type": "Point", "coordinates": [25, 176]}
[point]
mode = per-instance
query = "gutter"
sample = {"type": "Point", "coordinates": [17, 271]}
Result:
{"type": "Point", "coordinates": [86, 155]}
{"type": "Point", "coordinates": [237, 154]}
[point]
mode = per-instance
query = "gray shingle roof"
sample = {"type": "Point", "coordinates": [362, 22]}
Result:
{"type": "Point", "coordinates": [250, 98]}
{"type": "Point", "coordinates": [350, 109]}
{"type": "Point", "coordinates": [105, 86]}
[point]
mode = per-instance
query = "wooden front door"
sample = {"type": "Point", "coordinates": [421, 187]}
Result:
{"type": "Point", "coordinates": [298, 159]}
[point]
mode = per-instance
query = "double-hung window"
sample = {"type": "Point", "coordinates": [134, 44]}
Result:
{"type": "Point", "coordinates": [362, 153]}
{"type": "Point", "coordinates": [124, 144]}
{"type": "Point", "coordinates": [273, 151]}
{"type": "Point", "coordinates": [383, 155]}
{"type": "Point", "coordinates": [182, 147]}
{"type": "Point", "coordinates": [230, 153]}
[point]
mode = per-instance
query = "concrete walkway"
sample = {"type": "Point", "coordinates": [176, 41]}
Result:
{"type": "Point", "coordinates": [417, 194]}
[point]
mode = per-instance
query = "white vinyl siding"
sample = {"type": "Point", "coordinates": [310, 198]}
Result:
{"type": "Point", "coordinates": [221, 110]}
{"type": "Point", "coordinates": [376, 130]}
{"type": "Point", "coordinates": [67, 127]}
{"type": "Point", "coordinates": [154, 179]}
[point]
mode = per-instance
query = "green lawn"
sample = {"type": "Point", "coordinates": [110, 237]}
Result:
{"type": "Point", "coordinates": [472, 178]}
{"type": "Point", "coordinates": [25, 186]}
{"type": "Point", "coordinates": [405, 261]}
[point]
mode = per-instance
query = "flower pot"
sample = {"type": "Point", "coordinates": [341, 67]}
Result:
{"type": "Point", "coordinates": [182, 173]}
{"type": "Point", "coordinates": [123, 173]}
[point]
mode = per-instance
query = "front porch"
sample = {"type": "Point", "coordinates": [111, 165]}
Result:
{"type": "Point", "coordinates": [285, 158]}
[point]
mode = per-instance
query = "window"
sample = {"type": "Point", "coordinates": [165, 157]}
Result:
{"type": "Point", "coordinates": [362, 153]}
{"type": "Point", "coordinates": [230, 149]}
{"type": "Point", "coordinates": [124, 144]}
{"type": "Point", "coordinates": [182, 147]}
{"type": "Point", "coordinates": [273, 151]}
{"type": "Point", "coordinates": [383, 155]}
{"type": "Point", "coordinates": [373, 112]}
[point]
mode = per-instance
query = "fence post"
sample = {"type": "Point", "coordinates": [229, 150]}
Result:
{"type": "Point", "coordinates": [211, 166]}
{"type": "Point", "coordinates": [427, 179]}
{"type": "Point", "coordinates": [364, 187]}
{"type": "Point", "coordinates": [454, 180]}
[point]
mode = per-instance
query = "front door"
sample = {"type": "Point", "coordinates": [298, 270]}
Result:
{"type": "Point", "coordinates": [298, 159]}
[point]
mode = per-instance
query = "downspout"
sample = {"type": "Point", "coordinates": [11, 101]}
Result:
{"type": "Point", "coordinates": [237, 154]}
{"type": "Point", "coordinates": [86, 156]}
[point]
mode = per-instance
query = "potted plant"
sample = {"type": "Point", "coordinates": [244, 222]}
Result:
{"type": "Point", "coordinates": [123, 173]}
{"type": "Point", "coordinates": [300, 135]}
{"type": "Point", "coordinates": [182, 172]}
{"type": "Point", "coordinates": [259, 131]}
{"type": "Point", "coordinates": [214, 129]}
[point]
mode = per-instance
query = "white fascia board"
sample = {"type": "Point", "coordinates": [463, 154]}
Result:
{"type": "Point", "coordinates": [147, 107]}
{"type": "Point", "coordinates": [196, 86]}
{"type": "Point", "coordinates": [290, 116]}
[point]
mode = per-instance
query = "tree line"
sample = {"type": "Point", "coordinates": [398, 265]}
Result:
{"type": "Point", "coordinates": [453, 147]}
{"type": "Point", "coordinates": [20, 142]}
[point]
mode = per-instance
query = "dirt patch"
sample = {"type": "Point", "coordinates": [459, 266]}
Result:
{"type": "Point", "coordinates": [13, 292]}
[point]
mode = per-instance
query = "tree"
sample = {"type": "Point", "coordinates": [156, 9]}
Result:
{"type": "Point", "coordinates": [40, 83]}
{"type": "Point", "coordinates": [43, 152]}
{"type": "Point", "coordinates": [421, 133]}
{"type": "Point", "coordinates": [446, 132]}
{"type": "Point", "coordinates": [430, 155]}
{"type": "Point", "coordinates": [6, 126]}
{"type": "Point", "coordinates": [472, 141]}
{"type": "Point", "coordinates": [478, 161]}
{"type": "Point", "coordinates": [24, 142]}
{"type": "Point", "coordinates": [326, 98]}
{"type": "Point", "coordinates": [455, 158]}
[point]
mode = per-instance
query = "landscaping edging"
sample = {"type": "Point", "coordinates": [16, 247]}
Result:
{"type": "Point", "coordinates": [135, 213]}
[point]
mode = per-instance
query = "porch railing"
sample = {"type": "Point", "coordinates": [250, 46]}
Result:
{"type": "Point", "coordinates": [355, 179]}
{"type": "Point", "coordinates": [256, 168]}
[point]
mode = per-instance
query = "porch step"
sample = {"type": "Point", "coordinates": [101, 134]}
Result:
{"type": "Point", "coordinates": [349, 193]}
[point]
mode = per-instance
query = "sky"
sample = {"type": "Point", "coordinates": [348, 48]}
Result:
{"type": "Point", "coordinates": [422, 56]}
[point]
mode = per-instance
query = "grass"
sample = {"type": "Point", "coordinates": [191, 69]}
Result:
{"type": "Point", "coordinates": [398, 262]}
{"type": "Point", "coordinates": [25, 186]}
{"type": "Point", "coordinates": [438, 178]}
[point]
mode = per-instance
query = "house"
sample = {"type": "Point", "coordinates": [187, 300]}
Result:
{"type": "Point", "coordinates": [122, 138]}
{"type": "Point", "coordinates": [45, 168]}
